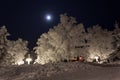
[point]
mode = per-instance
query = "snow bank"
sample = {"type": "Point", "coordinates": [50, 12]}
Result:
{"type": "Point", "coordinates": [55, 71]}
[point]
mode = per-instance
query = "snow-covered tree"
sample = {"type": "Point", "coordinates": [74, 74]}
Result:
{"type": "Point", "coordinates": [116, 43]}
{"type": "Point", "coordinates": [100, 42]}
{"type": "Point", "coordinates": [3, 43]}
{"type": "Point", "coordinates": [116, 35]}
{"type": "Point", "coordinates": [11, 52]}
{"type": "Point", "coordinates": [60, 42]}
{"type": "Point", "coordinates": [78, 44]}
{"type": "Point", "coordinates": [17, 49]}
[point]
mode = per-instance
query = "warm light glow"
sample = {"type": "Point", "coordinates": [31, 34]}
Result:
{"type": "Point", "coordinates": [28, 60]}
{"type": "Point", "coordinates": [97, 58]}
{"type": "Point", "coordinates": [20, 62]}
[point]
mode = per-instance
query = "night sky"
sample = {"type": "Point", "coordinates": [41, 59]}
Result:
{"type": "Point", "coordinates": [26, 18]}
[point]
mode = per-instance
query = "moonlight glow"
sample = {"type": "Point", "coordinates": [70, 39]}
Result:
{"type": "Point", "coordinates": [48, 17]}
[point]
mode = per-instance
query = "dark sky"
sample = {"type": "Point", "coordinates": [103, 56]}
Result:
{"type": "Point", "coordinates": [26, 18]}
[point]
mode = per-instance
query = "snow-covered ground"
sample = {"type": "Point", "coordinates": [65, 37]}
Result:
{"type": "Point", "coordinates": [61, 71]}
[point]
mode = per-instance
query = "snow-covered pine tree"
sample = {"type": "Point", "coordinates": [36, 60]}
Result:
{"type": "Point", "coordinates": [3, 43]}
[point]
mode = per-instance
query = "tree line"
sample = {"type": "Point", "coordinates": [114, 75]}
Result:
{"type": "Point", "coordinates": [64, 41]}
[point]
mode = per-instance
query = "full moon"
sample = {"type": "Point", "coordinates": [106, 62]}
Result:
{"type": "Point", "coordinates": [48, 17]}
